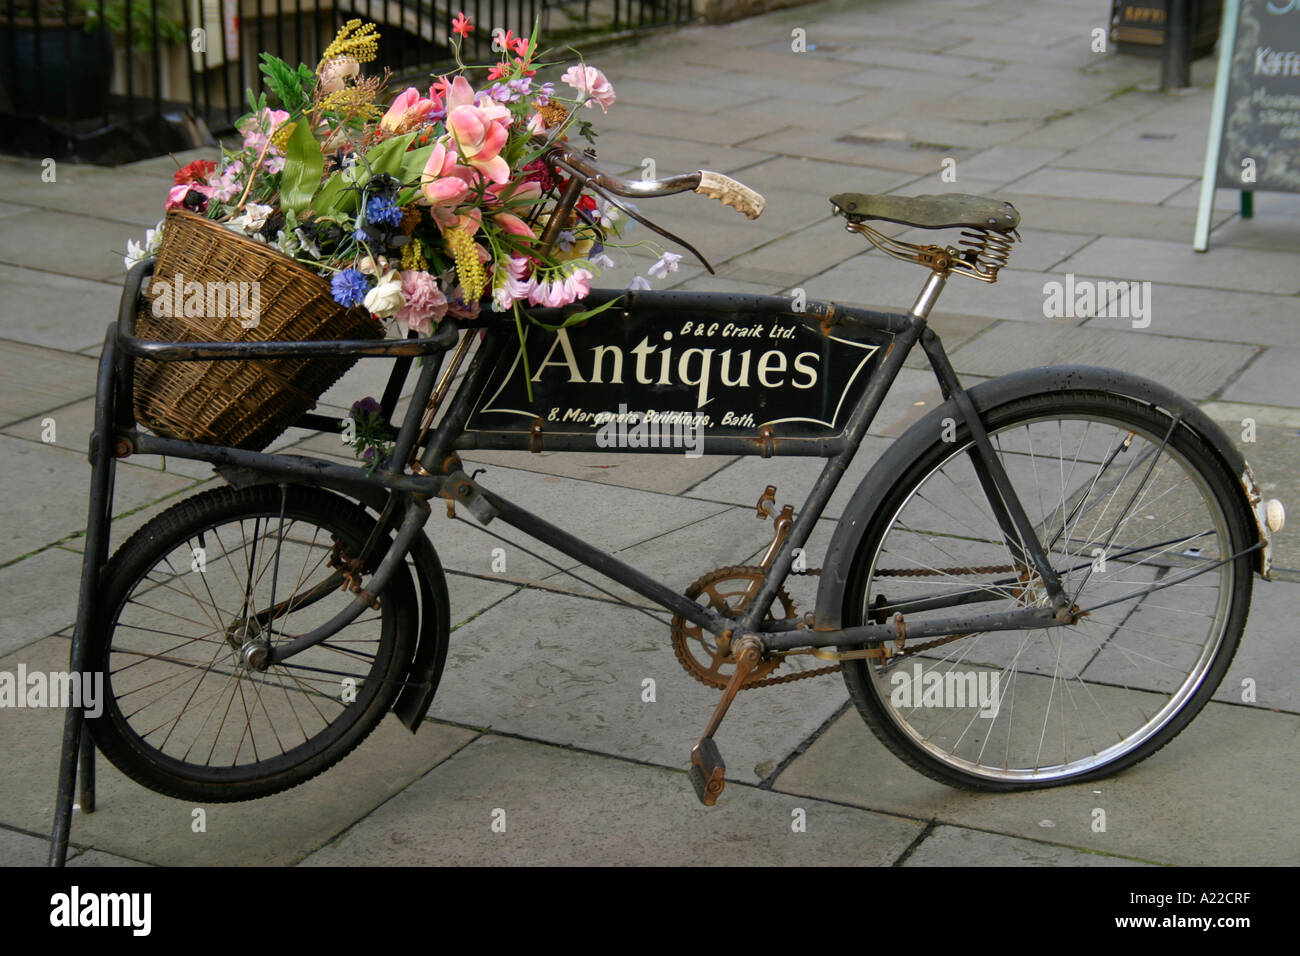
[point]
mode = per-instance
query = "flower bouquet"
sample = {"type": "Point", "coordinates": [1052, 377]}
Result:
{"type": "Point", "coordinates": [429, 206]}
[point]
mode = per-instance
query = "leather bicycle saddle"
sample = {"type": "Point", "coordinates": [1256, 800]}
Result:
{"type": "Point", "coordinates": [946, 211]}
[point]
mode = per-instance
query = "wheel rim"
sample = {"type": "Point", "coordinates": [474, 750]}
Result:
{"type": "Point", "coordinates": [1089, 694]}
{"type": "Point", "coordinates": [180, 665]}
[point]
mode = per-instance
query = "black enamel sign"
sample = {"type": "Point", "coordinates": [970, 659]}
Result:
{"type": "Point", "coordinates": [627, 378]}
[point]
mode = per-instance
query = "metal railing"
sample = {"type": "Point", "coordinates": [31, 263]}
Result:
{"type": "Point", "coordinates": [117, 79]}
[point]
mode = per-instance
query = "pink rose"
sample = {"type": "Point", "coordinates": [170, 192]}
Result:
{"type": "Point", "coordinates": [590, 82]}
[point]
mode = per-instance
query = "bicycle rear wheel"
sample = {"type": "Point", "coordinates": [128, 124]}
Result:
{"type": "Point", "coordinates": [205, 584]}
{"type": "Point", "coordinates": [1147, 532]}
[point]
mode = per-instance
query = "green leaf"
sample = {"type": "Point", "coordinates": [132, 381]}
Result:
{"type": "Point", "coordinates": [303, 167]}
{"type": "Point", "coordinates": [577, 316]}
{"type": "Point", "coordinates": [388, 156]}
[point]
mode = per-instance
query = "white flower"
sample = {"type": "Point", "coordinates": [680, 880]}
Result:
{"type": "Point", "coordinates": [386, 297]}
{"type": "Point", "coordinates": [136, 251]}
{"type": "Point", "coordinates": [253, 219]}
{"type": "Point", "coordinates": [286, 243]}
{"type": "Point", "coordinates": [607, 213]}
{"type": "Point", "coordinates": [602, 261]}
{"type": "Point", "coordinates": [638, 283]}
{"type": "Point", "coordinates": [308, 246]}
{"type": "Point", "coordinates": [667, 263]}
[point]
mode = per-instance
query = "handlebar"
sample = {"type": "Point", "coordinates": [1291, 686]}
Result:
{"type": "Point", "coordinates": [726, 190]}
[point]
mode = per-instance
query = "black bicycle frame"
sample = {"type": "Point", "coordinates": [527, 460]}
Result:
{"type": "Point", "coordinates": [440, 475]}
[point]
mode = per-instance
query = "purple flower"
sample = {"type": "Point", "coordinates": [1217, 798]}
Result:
{"type": "Point", "coordinates": [544, 93]}
{"type": "Point", "coordinates": [364, 406]}
{"type": "Point", "coordinates": [349, 288]}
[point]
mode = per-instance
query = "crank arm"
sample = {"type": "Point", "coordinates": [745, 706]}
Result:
{"type": "Point", "coordinates": [708, 769]}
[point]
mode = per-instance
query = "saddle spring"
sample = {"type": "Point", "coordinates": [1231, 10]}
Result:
{"type": "Point", "coordinates": [985, 252]}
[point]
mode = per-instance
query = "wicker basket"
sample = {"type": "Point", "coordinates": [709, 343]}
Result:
{"type": "Point", "coordinates": [233, 403]}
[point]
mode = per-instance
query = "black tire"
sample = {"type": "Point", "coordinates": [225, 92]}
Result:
{"type": "Point", "coordinates": [1140, 660]}
{"type": "Point", "coordinates": [149, 605]}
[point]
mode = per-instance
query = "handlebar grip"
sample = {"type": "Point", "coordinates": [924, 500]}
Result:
{"type": "Point", "coordinates": [729, 192]}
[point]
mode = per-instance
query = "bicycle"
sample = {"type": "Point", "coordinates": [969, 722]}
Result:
{"type": "Point", "coordinates": [999, 592]}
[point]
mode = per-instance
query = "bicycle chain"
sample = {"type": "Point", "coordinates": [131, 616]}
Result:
{"type": "Point", "coordinates": [689, 664]}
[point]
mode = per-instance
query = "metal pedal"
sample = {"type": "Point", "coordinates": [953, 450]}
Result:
{"type": "Point", "coordinates": [708, 771]}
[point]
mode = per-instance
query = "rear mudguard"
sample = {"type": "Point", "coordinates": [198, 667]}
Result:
{"type": "Point", "coordinates": [989, 395]}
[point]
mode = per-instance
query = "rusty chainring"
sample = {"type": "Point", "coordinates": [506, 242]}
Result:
{"type": "Point", "coordinates": [728, 592]}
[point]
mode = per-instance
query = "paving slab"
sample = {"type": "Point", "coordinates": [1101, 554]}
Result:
{"type": "Point", "coordinates": [57, 311]}
{"type": "Point", "coordinates": [133, 822]}
{"type": "Point", "coordinates": [22, 849]}
{"type": "Point", "coordinates": [127, 196]}
{"type": "Point", "coordinates": [1167, 809]}
{"type": "Point", "coordinates": [1167, 261]}
{"type": "Point", "coordinates": [611, 517]}
{"type": "Point", "coordinates": [1269, 380]}
{"type": "Point", "coordinates": [67, 244]}
{"type": "Point", "coordinates": [1100, 217]}
{"type": "Point", "coordinates": [38, 379]}
{"type": "Point", "coordinates": [54, 505]}
{"type": "Point", "coordinates": [72, 427]}
{"type": "Point", "coordinates": [43, 590]}
{"type": "Point", "coordinates": [1264, 672]}
{"type": "Point", "coordinates": [100, 858]}
{"type": "Point", "coordinates": [1088, 184]}
{"type": "Point", "coordinates": [1199, 313]}
{"type": "Point", "coordinates": [1192, 368]}
{"type": "Point", "coordinates": [555, 807]}
{"type": "Point", "coordinates": [570, 670]}
{"type": "Point", "coordinates": [957, 846]}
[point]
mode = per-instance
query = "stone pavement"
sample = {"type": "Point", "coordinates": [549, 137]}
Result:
{"type": "Point", "coordinates": [539, 711]}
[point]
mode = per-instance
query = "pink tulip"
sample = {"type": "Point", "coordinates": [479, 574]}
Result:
{"type": "Point", "coordinates": [480, 132]}
{"type": "Point", "coordinates": [514, 225]}
{"type": "Point", "coordinates": [439, 182]}
{"type": "Point", "coordinates": [407, 111]}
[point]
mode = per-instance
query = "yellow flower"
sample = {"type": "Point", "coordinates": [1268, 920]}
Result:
{"type": "Point", "coordinates": [362, 45]}
{"type": "Point", "coordinates": [473, 280]}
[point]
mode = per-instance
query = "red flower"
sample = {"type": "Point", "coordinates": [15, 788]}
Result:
{"type": "Point", "coordinates": [462, 25]}
{"type": "Point", "coordinates": [508, 41]}
{"type": "Point", "coordinates": [498, 71]}
{"type": "Point", "coordinates": [520, 46]}
{"type": "Point", "coordinates": [196, 172]}
{"type": "Point", "coordinates": [536, 172]}
{"type": "Point", "coordinates": [587, 203]}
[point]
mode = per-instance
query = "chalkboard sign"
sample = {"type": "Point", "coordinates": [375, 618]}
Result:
{"type": "Point", "coordinates": [1255, 127]}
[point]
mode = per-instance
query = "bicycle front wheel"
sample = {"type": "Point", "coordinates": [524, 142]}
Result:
{"type": "Point", "coordinates": [191, 600]}
{"type": "Point", "coordinates": [1146, 530]}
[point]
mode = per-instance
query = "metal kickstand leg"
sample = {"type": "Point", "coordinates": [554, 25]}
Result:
{"type": "Point", "coordinates": [77, 745]}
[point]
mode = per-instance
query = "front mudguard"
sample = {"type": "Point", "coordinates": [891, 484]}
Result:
{"type": "Point", "coordinates": [425, 670]}
{"type": "Point", "coordinates": [989, 395]}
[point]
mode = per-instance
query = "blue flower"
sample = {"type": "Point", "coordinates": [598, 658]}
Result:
{"type": "Point", "coordinates": [383, 211]}
{"type": "Point", "coordinates": [349, 287]}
